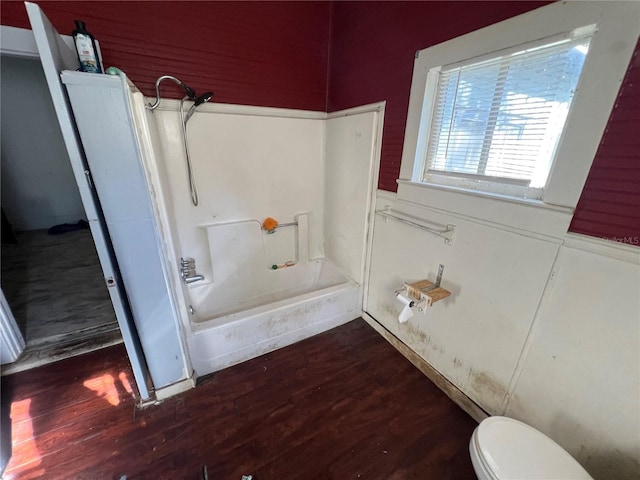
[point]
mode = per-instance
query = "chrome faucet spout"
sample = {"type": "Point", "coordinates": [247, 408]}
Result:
{"type": "Point", "coordinates": [195, 278]}
{"type": "Point", "coordinates": [188, 271]}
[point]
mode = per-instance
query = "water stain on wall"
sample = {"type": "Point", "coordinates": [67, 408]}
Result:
{"type": "Point", "coordinates": [517, 409]}
{"type": "Point", "coordinates": [417, 334]}
{"type": "Point", "coordinates": [611, 463]}
{"type": "Point", "coordinates": [390, 309]}
{"type": "Point", "coordinates": [489, 391]}
{"type": "Point", "coordinates": [430, 372]}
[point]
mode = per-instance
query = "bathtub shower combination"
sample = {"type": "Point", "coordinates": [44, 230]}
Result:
{"type": "Point", "coordinates": [209, 281]}
{"type": "Point", "coordinates": [241, 290]}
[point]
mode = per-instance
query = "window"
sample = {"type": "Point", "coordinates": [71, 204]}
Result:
{"type": "Point", "coordinates": [499, 120]}
{"type": "Point", "coordinates": [513, 113]}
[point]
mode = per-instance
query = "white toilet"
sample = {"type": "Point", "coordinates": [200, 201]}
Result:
{"type": "Point", "coordinates": [505, 449]}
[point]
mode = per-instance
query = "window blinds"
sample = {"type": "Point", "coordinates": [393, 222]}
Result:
{"type": "Point", "coordinates": [501, 119]}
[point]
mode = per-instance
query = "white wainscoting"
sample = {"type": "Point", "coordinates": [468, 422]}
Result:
{"type": "Point", "coordinates": [474, 337]}
{"type": "Point", "coordinates": [580, 374]}
{"type": "Point", "coordinates": [538, 328]}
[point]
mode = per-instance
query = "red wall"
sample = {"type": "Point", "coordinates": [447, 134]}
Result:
{"type": "Point", "coordinates": [371, 59]}
{"type": "Point", "coordinates": [330, 56]}
{"type": "Point", "coordinates": [373, 46]}
{"type": "Point", "coordinates": [610, 203]}
{"type": "Point", "coordinates": [252, 53]}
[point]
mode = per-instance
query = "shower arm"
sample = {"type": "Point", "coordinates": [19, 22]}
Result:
{"type": "Point", "coordinates": [189, 91]}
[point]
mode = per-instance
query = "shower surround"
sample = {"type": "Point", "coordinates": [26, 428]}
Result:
{"type": "Point", "coordinates": [261, 290]}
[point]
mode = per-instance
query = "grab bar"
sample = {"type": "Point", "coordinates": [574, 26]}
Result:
{"type": "Point", "coordinates": [448, 234]}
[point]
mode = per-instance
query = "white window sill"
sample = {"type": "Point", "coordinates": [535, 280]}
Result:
{"type": "Point", "coordinates": [524, 214]}
{"type": "Point", "coordinates": [531, 202]}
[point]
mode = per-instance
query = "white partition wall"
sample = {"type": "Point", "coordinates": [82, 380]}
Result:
{"type": "Point", "coordinates": [579, 379]}
{"type": "Point", "coordinates": [101, 104]}
{"type": "Point", "coordinates": [352, 156]}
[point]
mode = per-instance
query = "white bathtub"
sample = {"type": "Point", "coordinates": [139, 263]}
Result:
{"type": "Point", "coordinates": [230, 325]}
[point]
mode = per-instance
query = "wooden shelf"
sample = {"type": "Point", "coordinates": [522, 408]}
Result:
{"type": "Point", "coordinates": [416, 290]}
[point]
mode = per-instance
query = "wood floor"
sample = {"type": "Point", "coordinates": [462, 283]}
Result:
{"type": "Point", "coordinates": [54, 284]}
{"type": "Point", "coordinates": [55, 288]}
{"type": "Point", "coordinates": [340, 405]}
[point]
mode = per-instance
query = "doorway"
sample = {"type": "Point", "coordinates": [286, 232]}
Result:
{"type": "Point", "coordinates": [51, 274]}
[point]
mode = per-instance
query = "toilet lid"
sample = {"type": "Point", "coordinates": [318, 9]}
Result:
{"type": "Point", "coordinates": [513, 450]}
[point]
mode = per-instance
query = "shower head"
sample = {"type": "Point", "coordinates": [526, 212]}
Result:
{"type": "Point", "coordinates": [205, 97]}
{"type": "Point", "coordinates": [188, 90]}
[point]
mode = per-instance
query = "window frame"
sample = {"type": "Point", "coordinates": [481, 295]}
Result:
{"type": "Point", "coordinates": [615, 32]}
{"type": "Point", "coordinates": [492, 184]}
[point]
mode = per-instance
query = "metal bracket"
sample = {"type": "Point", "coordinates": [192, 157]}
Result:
{"type": "Point", "coordinates": [438, 280]}
{"type": "Point", "coordinates": [449, 235]}
{"type": "Point", "coordinates": [439, 277]}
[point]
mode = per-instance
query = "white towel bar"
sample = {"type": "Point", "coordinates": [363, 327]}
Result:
{"type": "Point", "coordinates": [448, 234]}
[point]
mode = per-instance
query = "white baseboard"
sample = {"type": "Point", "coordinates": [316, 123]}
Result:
{"type": "Point", "coordinates": [176, 388]}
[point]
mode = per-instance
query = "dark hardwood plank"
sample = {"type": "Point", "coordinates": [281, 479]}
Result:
{"type": "Point", "coordinates": [343, 404]}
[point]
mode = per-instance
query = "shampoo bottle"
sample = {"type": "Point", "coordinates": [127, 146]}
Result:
{"type": "Point", "coordinates": [86, 48]}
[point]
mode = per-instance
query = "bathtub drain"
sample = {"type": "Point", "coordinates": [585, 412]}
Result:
{"type": "Point", "coordinates": [192, 311]}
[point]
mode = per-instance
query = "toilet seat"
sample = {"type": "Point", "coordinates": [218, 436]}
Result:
{"type": "Point", "coordinates": [505, 448]}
